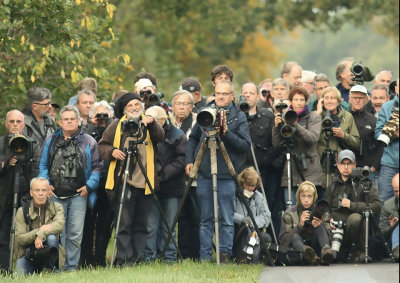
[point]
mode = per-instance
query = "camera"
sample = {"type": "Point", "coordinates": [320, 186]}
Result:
{"type": "Point", "coordinates": [243, 104]}
{"type": "Point", "coordinates": [341, 197]}
{"type": "Point", "coordinates": [327, 122]}
{"type": "Point", "coordinates": [265, 92]}
{"type": "Point", "coordinates": [392, 89]}
{"type": "Point", "coordinates": [212, 117]}
{"type": "Point", "coordinates": [281, 106]}
{"type": "Point", "coordinates": [318, 210]}
{"type": "Point", "coordinates": [19, 144]}
{"type": "Point", "coordinates": [287, 130]}
{"type": "Point", "coordinates": [361, 172]}
{"type": "Point", "coordinates": [361, 73]}
{"type": "Point", "coordinates": [33, 254]}
{"type": "Point", "coordinates": [337, 236]}
{"type": "Point", "coordinates": [391, 127]}
{"type": "Point", "coordinates": [132, 127]}
{"type": "Point", "coordinates": [102, 116]}
{"type": "Point", "coordinates": [155, 98]}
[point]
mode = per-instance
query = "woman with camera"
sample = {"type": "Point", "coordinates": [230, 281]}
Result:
{"type": "Point", "coordinates": [339, 132]}
{"type": "Point", "coordinates": [297, 131]}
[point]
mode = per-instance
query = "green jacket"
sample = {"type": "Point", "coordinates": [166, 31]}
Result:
{"type": "Point", "coordinates": [350, 141]}
{"type": "Point", "coordinates": [23, 237]}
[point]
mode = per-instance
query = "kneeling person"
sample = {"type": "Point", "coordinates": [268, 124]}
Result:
{"type": "Point", "coordinates": [304, 233]}
{"type": "Point", "coordinates": [37, 230]}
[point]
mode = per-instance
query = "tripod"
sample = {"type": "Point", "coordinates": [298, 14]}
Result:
{"type": "Point", "coordinates": [367, 215]}
{"type": "Point", "coordinates": [212, 141]}
{"type": "Point", "coordinates": [327, 155]}
{"type": "Point", "coordinates": [134, 152]}
{"type": "Point", "coordinates": [17, 176]}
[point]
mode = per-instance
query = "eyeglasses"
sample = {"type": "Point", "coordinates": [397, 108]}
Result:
{"type": "Point", "coordinates": [182, 103]}
{"type": "Point", "coordinates": [357, 97]}
{"type": "Point", "coordinates": [144, 92]}
{"type": "Point", "coordinates": [347, 164]}
{"type": "Point", "coordinates": [223, 93]}
{"type": "Point", "coordinates": [69, 119]}
{"type": "Point", "coordinates": [43, 104]}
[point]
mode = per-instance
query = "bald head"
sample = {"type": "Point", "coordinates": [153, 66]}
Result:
{"type": "Point", "coordinates": [14, 122]}
{"type": "Point", "coordinates": [395, 185]}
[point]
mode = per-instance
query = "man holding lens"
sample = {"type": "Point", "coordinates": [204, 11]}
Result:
{"type": "Point", "coordinates": [236, 138]}
{"type": "Point", "coordinates": [347, 202]}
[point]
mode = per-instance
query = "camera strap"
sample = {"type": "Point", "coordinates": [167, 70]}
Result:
{"type": "Point", "coordinates": [297, 165]}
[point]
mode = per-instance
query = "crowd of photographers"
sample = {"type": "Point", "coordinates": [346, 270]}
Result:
{"type": "Point", "coordinates": [318, 164]}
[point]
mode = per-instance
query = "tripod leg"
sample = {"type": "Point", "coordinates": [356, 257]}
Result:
{"type": "Point", "coordinates": [164, 219]}
{"type": "Point", "coordinates": [121, 203]}
{"type": "Point", "coordinates": [367, 215]}
{"type": "Point", "coordinates": [213, 157]}
{"type": "Point", "coordinates": [289, 167]}
{"type": "Point", "coordinates": [263, 192]}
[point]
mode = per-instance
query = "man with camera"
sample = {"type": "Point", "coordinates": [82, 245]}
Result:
{"type": "Point", "coordinates": [193, 86]}
{"type": "Point", "coordinates": [389, 221]}
{"type": "Point", "coordinates": [344, 76]}
{"type": "Point", "coordinates": [84, 102]}
{"type": "Point", "coordinates": [234, 133]}
{"type": "Point", "coordinates": [38, 226]}
{"type": "Point", "coordinates": [38, 122]}
{"type": "Point", "coordinates": [131, 128]}
{"type": "Point", "coordinates": [291, 72]}
{"type": "Point", "coordinates": [18, 155]}
{"type": "Point", "coordinates": [265, 99]}
{"type": "Point", "coordinates": [387, 132]}
{"type": "Point", "coordinates": [379, 95]}
{"type": "Point", "coordinates": [71, 163]}
{"type": "Point", "coordinates": [347, 197]}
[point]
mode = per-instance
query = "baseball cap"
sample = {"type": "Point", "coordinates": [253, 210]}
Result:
{"type": "Point", "coordinates": [359, 88]}
{"type": "Point", "coordinates": [346, 154]}
{"type": "Point", "coordinates": [190, 85]}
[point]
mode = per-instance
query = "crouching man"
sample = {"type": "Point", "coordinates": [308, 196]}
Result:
{"type": "Point", "coordinates": [38, 226]}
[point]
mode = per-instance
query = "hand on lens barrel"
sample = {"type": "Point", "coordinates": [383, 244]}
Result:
{"type": "Point", "coordinates": [118, 154]}
{"type": "Point", "coordinates": [305, 215]}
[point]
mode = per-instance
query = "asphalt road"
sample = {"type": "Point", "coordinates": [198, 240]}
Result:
{"type": "Point", "coordinates": [337, 273]}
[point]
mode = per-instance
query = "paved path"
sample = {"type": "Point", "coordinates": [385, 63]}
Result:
{"type": "Point", "coordinates": [335, 273]}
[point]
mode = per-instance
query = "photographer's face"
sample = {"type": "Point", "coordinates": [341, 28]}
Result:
{"type": "Point", "coordinates": [298, 102]}
{"type": "Point", "coordinates": [133, 109]}
{"type": "Point", "coordinates": [280, 92]}
{"type": "Point", "coordinates": [15, 122]}
{"type": "Point", "coordinates": [100, 122]}
{"type": "Point", "coordinates": [69, 122]}
{"type": "Point", "coordinates": [346, 167]}
{"type": "Point", "coordinates": [250, 188]}
{"type": "Point", "coordinates": [182, 106]}
{"type": "Point", "coordinates": [85, 104]}
{"type": "Point", "coordinates": [221, 77]}
{"type": "Point", "coordinates": [249, 91]}
{"type": "Point", "coordinates": [347, 75]}
{"type": "Point", "coordinates": [306, 199]}
{"type": "Point", "coordinates": [223, 94]}
{"type": "Point", "coordinates": [39, 192]}
{"type": "Point", "coordinates": [319, 88]}
{"type": "Point", "coordinates": [294, 77]}
{"type": "Point", "coordinates": [357, 100]}
{"type": "Point", "coordinates": [330, 102]}
{"type": "Point", "coordinates": [378, 97]}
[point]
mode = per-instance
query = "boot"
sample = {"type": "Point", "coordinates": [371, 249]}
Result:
{"type": "Point", "coordinates": [326, 255]}
{"type": "Point", "coordinates": [310, 256]}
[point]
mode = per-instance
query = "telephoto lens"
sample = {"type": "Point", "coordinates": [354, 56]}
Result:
{"type": "Point", "coordinates": [337, 237]}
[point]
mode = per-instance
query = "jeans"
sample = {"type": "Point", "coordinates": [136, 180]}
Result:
{"type": "Point", "coordinates": [25, 267]}
{"type": "Point", "coordinates": [395, 237]}
{"type": "Point", "coordinates": [74, 214]}
{"type": "Point", "coordinates": [158, 233]}
{"type": "Point", "coordinates": [226, 198]}
{"type": "Point", "coordinates": [385, 182]}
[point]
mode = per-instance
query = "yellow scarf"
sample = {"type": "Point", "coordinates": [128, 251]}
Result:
{"type": "Point", "coordinates": [149, 157]}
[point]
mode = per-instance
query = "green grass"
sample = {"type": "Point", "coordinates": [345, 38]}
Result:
{"type": "Point", "coordinates": [186, 271]}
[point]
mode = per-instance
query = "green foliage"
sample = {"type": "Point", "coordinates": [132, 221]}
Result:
{"type": "Point", "coordinates": [55, 44]}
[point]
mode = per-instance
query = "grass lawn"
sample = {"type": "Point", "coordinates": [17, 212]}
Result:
{"type": "Point", "coordinates": [186, 271]}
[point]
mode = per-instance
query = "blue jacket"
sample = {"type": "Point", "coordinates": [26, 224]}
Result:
{"type": "Point", "coordinates": [90, 160]}
{"type": "Point", "coordinates": [390, 155]}
{"type": "Point", "coordinates": [236, 141]}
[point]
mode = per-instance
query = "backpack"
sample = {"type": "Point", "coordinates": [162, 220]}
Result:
{"type": "Point", "coordinates": [283, 256]}
{"type": "Point", "coordinates": [245, 249]}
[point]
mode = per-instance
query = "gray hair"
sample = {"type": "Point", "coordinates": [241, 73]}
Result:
{"type": "Point", "coordinates": [157, 113]}
{"type": "Point", "coordinates": [18, 112]}
{"type": "Point", "coordinates": [342, 66]}
{"type": "Point", "coordinates": [307, 75]}
{"type": "Point", "coordinates": [380, 86]}
{"type": "Point", "coordinates": [39, 180]}
{"type": "Point", "coordinates": [182, 92]}
{"type": "Point", "coordinates": [288, 66]}
{"type": "Point", "coordinates": [320, 78]}
{"type": "Point", "coordinates": [38, 94]}
{"type": "Point", "coordinates": [87, 92]}
{"type": "Point", "coordinates": [226, 82]}
{"type": "Point", "coordinates": [263, 82]}
{"type": "Point", "coordinates": [280, 81]}
{"type": "Point", "coordinates": [381, 72]}
{"type": "Point", "coordinates": [104, 104]}
{"type": "Point", "coordinates": [70, 108]}
{"type": "Point", "coordinates": [252, 84]}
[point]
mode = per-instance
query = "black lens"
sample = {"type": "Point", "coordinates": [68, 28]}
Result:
{"type": "Point", "coordinates": [144, 92]}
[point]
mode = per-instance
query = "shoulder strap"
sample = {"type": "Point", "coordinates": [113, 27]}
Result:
{"type": "Point", "coordinates": [25, 210]}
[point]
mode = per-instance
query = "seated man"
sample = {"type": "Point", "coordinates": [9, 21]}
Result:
{"type": "Point", "coordinates": [347, 201]}
{"type": "Point", "coordinates": [38, 226]}
{"type": "Point", "coordinates": [389, 222]}
{"type": "Point", "coordinates": [306, 232]}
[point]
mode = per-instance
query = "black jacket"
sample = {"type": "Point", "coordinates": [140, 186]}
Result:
{"type": "Point", "coordinates": [172, 155]}
{"type": "Point", "coordinates": [366, 155]}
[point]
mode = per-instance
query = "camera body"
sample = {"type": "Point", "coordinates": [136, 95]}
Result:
{"type": "Point", "coordinates": [318, 210]}
{"type": "Point", "coordinates": [280, 106]}
{"type": "Point", "coordinates": [266, 92]}
{"type": "Point", "coordinates": [154, 99]}
{"type": "Point", "coordinates": [102, 116]}
{"type": "Point", "coordinates": [361, 73]}
{"type": "Point", "coordinates": [132, 127]}
{"type": "Point", "coordinates": [243, 104]}
{"type": "Point", "coordinates": [213, 117]}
